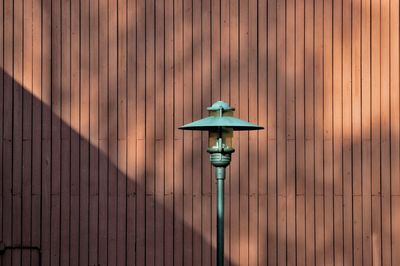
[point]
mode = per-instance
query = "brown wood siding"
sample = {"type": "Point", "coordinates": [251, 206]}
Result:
{"type": "Point", "coordinates": [94, 170]}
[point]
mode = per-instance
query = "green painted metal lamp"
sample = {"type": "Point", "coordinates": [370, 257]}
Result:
{"type": "Point", "coordinates": [220, 124]}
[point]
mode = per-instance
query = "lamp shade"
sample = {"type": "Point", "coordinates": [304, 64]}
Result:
{"type": "Point", "coordinates": [220, 116]}
{"type": "Point", "coordinates": [211, 122]}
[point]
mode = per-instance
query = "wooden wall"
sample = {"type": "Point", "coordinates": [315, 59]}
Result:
{"type": "Point", "coordinates": [95, 172]}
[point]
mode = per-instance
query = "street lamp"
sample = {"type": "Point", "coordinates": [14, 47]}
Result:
{"type": "Point", "coordinates": [220, 125]}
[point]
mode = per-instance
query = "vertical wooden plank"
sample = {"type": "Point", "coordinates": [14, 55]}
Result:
{"type": "Point", "coordinates": [281, 133]}
{"type": "Point", "coordinates": [65, 194]}
{"type": "Point", "coordinates": [347, 136]}
{"type": "Point", "coordinates": [112, 130]}
{"type": "Point", "coordinates": [121, 201]}
{"type": "Point", "coordinates": [27, 129]}
{"type": "Point", "coordinates": [94, 134]}
{"type": "Point", "coordinates": [7, 129]}
{"type": "Point", "coordinates": [300, 226]}
{"type": "Point", "coordinates": [395, 230]}
{"type": "Point", "coordinates": [242, 111]}
{"type": "Point", "coordinates": [17, 130]}
{"type": "Point", "coordinates": [215, 50]}
{"type": "Point", "coordinates": [272, 132]}
{"type": "Point", "coordinates": [187, 135]}
{"type": "Point", "coordinates": [376, 131]}
{"type": "Point", "coordinates": [385, 133]}
{"type": "Point", "coordinates": [356, 96]}
{"type": "Point", "coordinates": [319, 131]}
{"type": "Point", "coordinates": [290, 134]}
{"type": "Point", "coordinates": [94, 131]}
{"type": "Point", "coordinates": [103, 134]}
{"type": "Point", "coordinates": [26, 214]}
{"type": "Point", "coordinates": [225, 44]}
{"type": "Point", "coordinates": [159, 132]}
{"type": "Point", "coordinates": [309, 124]}
{"type": "Point", "coordinates": [300, 130]}
{"type": "Point", "coordinates": [131, 133]}
{"type": "Point", "coordinates": [159, 200]}
{"type": "Point", "coordinates": [46, 134]}
{"type": "Point", "coordinates": [253, 164]}
{"type": "Point", "coordinates": [140, 171]}
{"type": "Point", "coordinates": [262, 247]}
{"type": "Point", "coordinates": [357, 230]}
{"type": "Point", "coordinates": [7, 170]}
{"type": "Point", "coordinates": [234, 101]}
{"type": "Point", "coordinates": [394, 99]}
{"type": "Point", "coordinates": [197, 136]}
{"type": "Point", "coordinates": [140, 185]}
{"type": "Point", "coordinates": [338, 227]}
{"type": "Point", "coordinates": [375, 96]}
{"type": "Point", "coordinates": [338, 223]}
{"type": "Point", "coordinates": [299, 96]}
{"type": "Point", "coordinates": [169, 134]}
{"type": "Point", "coordinates": [366, 130]}
{"type": "Point", "coordinates": [178, 202]}
{"type": "Point", "coordinates": [74, 237]}
{"type": "Point", "coordinates": [36, 125]}
{"type": "Point", "coordinates": [45, 220]}
{"type": "Point", "coordinates": [75, 154]}
{"type": "Point", "coordinates": [337, 131]}
{"type": "Point", "coordinates": [65, 132]}
{"type": "Point", "coordinates": [356, 131]}
{"type": "Point", "coordinates": [178, 135]}
{"type": "Point", "coordinates": [319, 230]}
{"type": "Point", "coordinates": [103, 174]}
{"type": "Point", "coordinates": [84, 125]}
{"type": "Point", "coordinates": [376, 231]}
{"type": "Point", "coordinates": [55, 131]}
{"type": "Point", "coordinates": [366, 164]}
{"type": "Point", "coordinates": [149, 135]}
{"type": "Point", "coordinates": [318, 80]}
{"type": "Point", "coordinates": [327, 125]}
{"type": "Point", "coordinates": [337, 98]}
{"type": "Point", "coordinates": [65, 28]}
{"type": "Point", "coordinates": [122, 48]}
{"type": "Point", "coordinates": [122, 127]}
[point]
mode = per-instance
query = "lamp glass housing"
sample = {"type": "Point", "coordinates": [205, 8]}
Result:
{"type": "Point", "coordinates": [221, 132]}
{"type": "Point", "coordinates": [225, 133]}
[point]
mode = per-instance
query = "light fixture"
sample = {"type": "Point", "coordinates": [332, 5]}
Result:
{"type": "Point", "coordinates": [220, 125]}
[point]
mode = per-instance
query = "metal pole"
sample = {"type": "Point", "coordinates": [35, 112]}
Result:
{"type": "Point", "coordinates": [220, 173]}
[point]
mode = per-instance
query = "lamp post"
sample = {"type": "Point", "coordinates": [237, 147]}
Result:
{"type": "Point", "coordinates": [220, 124]}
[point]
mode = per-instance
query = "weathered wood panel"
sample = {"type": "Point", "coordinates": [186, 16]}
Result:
{"type": "Point", "coordinates": [94, 170]}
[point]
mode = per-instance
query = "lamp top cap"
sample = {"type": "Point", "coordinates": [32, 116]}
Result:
{"type": "Point", "coordinates": [220, 105]}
